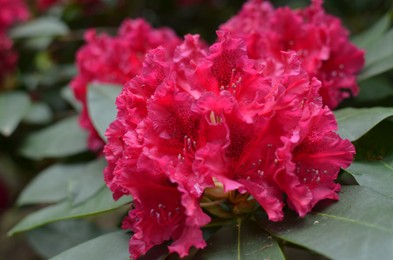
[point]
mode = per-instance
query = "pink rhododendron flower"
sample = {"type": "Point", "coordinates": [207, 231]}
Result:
{"type": "Point", "coordinates": [115, 60]}
{"type": "Point", "coordinates": [319, 39]}
{"type": "Point", "coordinates": [217, 119]}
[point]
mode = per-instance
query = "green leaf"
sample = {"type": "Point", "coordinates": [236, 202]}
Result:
{"type": "Point", "coordinates": [379, 52]}
{"type": "Point", "coordinates": [381, 49]}
{"type": "Point", "coordinates": [51, 185]}
{"type": "Point", "coordinates": [100, 203]}
{"type": "Point", "coordinates": [51, 75]}
{"type": "Point", "coordinates": [39, 27]}
{"type": "Point", "coordinates": [39, 113]}
{"type": "Point", "coordinates": [101, 105]}
{"type": "Point", "coordinates": [77, 182]}
{"type": "Point", "coordinates": [62, 139]}
{"type": "Point", "coordinates": [66, 94]}
{"type": "Point", "coordinates": [374, 90]}
{"type": "Point", "coordinates": [373, 166]}
{"type": "Point", "coordinates": [353, 123]}
{"type": "Point", "coordinates": [242, 240]}
{"type": "Point", "coordinates": [38, 44]}
{"type": "Point", "coordinates": [110, 246]}
{"type": "Point", "coordinates": [13, 106]}
{"type": "Point", "coordinates": [377, 175]}
{"type": "Point", "coordinates": [89, 182]}
{"type": "Point", "coordinates": [359, 226]}
{"type": "Point", "coordinates": [369, 36]}
{"type": "Point", "coordinates": [379, 67]}
{"type": "Point", "coordinates": [54, 238]}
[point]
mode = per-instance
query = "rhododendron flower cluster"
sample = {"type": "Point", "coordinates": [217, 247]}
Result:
{"type": "Point", "coordinates": [11, 11]}
{"type": "Point", "coordinates": [319, 39]}
{"type": "Point", "coordinates": [115, 60]}
{"type": "Point", "coordinates": [217, 125]}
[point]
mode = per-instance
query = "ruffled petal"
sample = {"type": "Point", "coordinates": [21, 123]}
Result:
{"type": "Point", "coordinates": [115, 60]}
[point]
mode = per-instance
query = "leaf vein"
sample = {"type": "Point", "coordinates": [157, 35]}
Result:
{"type": "Point", "coordinates": [354, 221]}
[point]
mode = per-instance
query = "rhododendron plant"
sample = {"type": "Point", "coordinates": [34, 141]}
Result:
{"type": "Point", "coordinates": [116, 60]}
{"type": "Point", "coordinates": [319, 39]}
{"type": "Point", "coordinates": [215, 121]}
{"type": "Point", "coordinates": [219, 143]}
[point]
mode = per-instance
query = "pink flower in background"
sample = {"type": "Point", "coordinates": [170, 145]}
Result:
{"type": "Point", "coordinates": [217, 118]}
{"type": "Point", "coordinates": [319, 39]}
{"type": "Point", "coordinates": [337, 73]}
{"type": "Point", "coordinates": [107, 59]}
{"type": "Point", "coordinates": [11, 11]}
{"type": "Point", "coordinates": [8, 57]}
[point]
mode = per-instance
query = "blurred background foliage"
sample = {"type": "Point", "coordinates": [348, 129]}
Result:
{"type": "Point", "coordinates": [47, 44]}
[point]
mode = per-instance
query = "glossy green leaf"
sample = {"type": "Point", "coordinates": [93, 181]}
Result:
{"type": "Point", "coordinates": [38, 113]}
{"type": "Point", "coordinates": [242, 240]}
{"type": "Point", "coordinates": [359, 226]}
{"type": "Point", "coordinates": [379, 67]}
{"type": "Point", "coordinates": [77, 182]}
{"type": "Point", "coordinates": [353, 123]}
{"type": "Point", "coordinates": [101, 105]}
{"type": "Point", "coordinates": [51, 185]}
{"type": "Point", "coordinates": [66, 94]}
{"type": "Point", "coordinates": [374, 90]}
{"type": "Point", "coordinates": [62, 139]}
{"type": "Point", "coordinates": [377, 175]}
{"type": "Point", "coordinates": [381, 49]}
{"type": "Point", "coordinates": [13, 106]}
{"type": "Point", "coordinates": [55, 238]}
{"type": "Point", "coordinates": [51, 75]}
{"type": "Point", "coordinates": [110, 246]}
{"type": "Point", "coordinates": [38, 43]}
{"type": "Point", "coordinates": [39, 27]}
{"type": "Point", "coordinates": [99, 203]}
{"type": "Point", "coordinates": [89, 181]}
{"type": "Point", "coordinates": [369, 36]}
{"type": "Point", "coordinates": [373, 166]}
